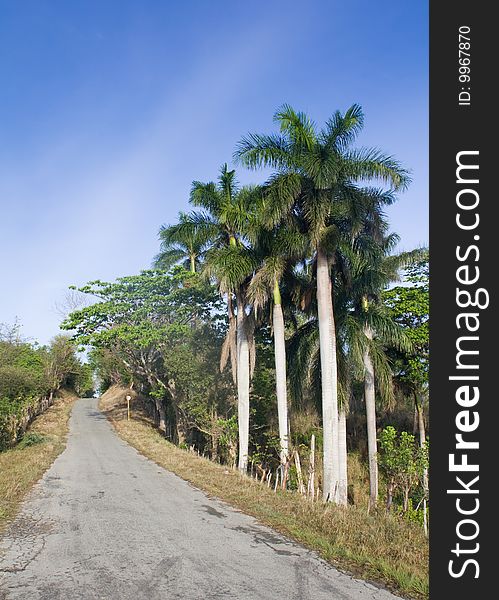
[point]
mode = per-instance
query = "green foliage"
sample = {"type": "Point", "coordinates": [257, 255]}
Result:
{"type": "Point", "coordinates": [403, 463]}
{"type": "Point", "coordinates": [107, 368]}
{"type": "Point", "coordinates": [84, 381]}
{"type": "Point", "coordinates": [266, 451]}
{"type": "Point", "coordinates": [31, 439]}
{"type": "Point", "coordinates": [139, 311]}
{"type": "Point", "coordinates": [163, 332]}
{"type": "Point", "coordinates": [184, 243]}
{"type": "Point", "coordinates": [228, 429]}
{"type": "Point", "coordinates": [29, 375]}
{"type": "Point", "coordinates": [408, 305]}
{"type": "Point", "coordinates": [318, 174]}
{"type": "Point", "coordinates": [62, 366]}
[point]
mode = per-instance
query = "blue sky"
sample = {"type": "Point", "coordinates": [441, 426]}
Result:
{"type": "Point", "coordinates": [110, 108]}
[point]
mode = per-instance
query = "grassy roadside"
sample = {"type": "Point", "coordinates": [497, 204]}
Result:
{"type": "Point", "coordinates": [375, 547]}
{"type": "Point", "coordinates": [22, 466]}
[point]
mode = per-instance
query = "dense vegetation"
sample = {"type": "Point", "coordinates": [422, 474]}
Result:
{"type": "Point", "coordinates": [268, 334]}
{"type": "Point", "coordinates": [30, 375]}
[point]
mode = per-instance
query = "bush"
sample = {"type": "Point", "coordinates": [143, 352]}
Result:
{"type": "Point", "coordinates": [29, 376]}
{"type": "Point", "coordinates": [31, 439]}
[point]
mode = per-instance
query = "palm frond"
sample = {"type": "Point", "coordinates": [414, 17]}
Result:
{"type": "Point", "coordinates": [166, 259]}
{"type": "Point", "coordinates": [342, 129]}
{"type": "Point", "coordinates": [256, 151]}
{"type": "Point", "coordinates": [371, 163]}
{"type": "Point", "coordinates": [296, 126]}
{"type": "Point", "coordinates": [205, 195]}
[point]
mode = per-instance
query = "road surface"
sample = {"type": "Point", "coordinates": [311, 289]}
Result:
{"type": "Point", "coordinates": [107, 523]}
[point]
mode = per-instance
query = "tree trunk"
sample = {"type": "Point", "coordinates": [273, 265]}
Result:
{"type": "Point", "coordinates": [311, 469]}
{"type": "Point", "coordinates": [389, 495]}
{"type": "Point", "coordinates": [415, 421]}
{"type": "Point", "coordinates": [329, 375]}
{"type": "Point", "coordinates": [405, 505]}
{"type": "Point", "coordinates": [301, 487]}
{"type": "Point", "coordinates": [180, 429]}
{"type": "Point", "coordinates": [161, 411]}
{"type": "Point", "coordinates": [421, 425]}
{"type": "Point", "coordinates": [422, 442]}
{"type": "Point", "coordinates": [372, 444]}
{"type": "Point", "coordinates": [233, 456]}
{"type": "Point", "coordinates": [280, 375]}
{"type": "Point", "coordinates": [229, 348]}
{"type": "Point", "coordinates": [214, 446]}
{"type": "Point", "coordinates": [343, 467]}
{"type": "Point", "coordinates": [243, 377]}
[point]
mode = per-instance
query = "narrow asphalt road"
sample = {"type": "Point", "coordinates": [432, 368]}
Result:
{"type": "Point", "coordinates": [106, 523]}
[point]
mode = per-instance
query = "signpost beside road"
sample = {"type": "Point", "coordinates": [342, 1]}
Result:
{"type": "Point", "coordinates": [128, 398]}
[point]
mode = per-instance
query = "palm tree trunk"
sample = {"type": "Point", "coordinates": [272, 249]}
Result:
{"type": "Point", "coordinates": [421, 425]}
{"type": "Point", "coordinates": [243, 380]}
{"type": "Point", "coordinates": [280, 374]}
{"type": "Point", "coordinates": [232, 344]}
{"type": "Point", "coordinates": [372, 444]}
{"type": "Point", "coordinates": [422, 442]}
{"type": "Point", "coordinates": [343, 458]}
{"type": "Point", "coordinates": [193, 263]}
{"type": "Point", "coordinates": [329, 375]}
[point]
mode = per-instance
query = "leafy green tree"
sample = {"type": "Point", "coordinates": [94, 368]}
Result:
{"type": "Point", "coordinates": [84, 381]}
{"type": "Point", "coordinates": [62, 366]}
{"type": "Point", "coordinates": [403, 462]}
{"type": "Point", "coordinates": [108, 368]}
{"type": "Point", "coordinates": [150, 323]}
{"type": "Point", "coordinates": [29, 377]}
{"type": "Point", "coordinates": [408, 306]}
{"type": "Point", "coordinates": [22, 385]}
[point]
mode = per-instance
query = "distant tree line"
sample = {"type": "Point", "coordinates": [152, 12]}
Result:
{"type": "Point", "coordinates": [30, 375]}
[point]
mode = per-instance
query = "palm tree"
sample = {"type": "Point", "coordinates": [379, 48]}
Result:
{"type": "Point", "coordinates": [305, 378]}
{"type": "Point", "coordinates": [278, 249]}
{"type": "Point", "coordinates": [183, 243]}
{"type": "Point", "coordinates": [373, 268]}
{"type": "Point", "coordinates": [224, 220]}
{"type": "Point", "coordinates": [315, 176]}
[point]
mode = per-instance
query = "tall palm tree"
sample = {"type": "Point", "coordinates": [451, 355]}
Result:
{"type": "Point", "coordinates": [305, 378]}
{"type": "Point", "coordinates": [224, 219]}
{"type": "Point", "coordinates": [183, 243]}
{"type": "Point", "coordinates": [278, 250]}
{"type": "Point", "coordinates": [373, 268]}
{"type": "Point", "coordinates": [316, 172]}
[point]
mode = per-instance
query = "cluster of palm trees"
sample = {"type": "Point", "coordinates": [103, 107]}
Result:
{"type": "Point", "coordinates": [310, 245]}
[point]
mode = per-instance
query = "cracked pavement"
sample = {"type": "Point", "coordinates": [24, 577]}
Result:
{"type": "Point", "coordinates": [107, 523]}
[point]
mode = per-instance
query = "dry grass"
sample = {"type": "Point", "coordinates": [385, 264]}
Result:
{"type": "Point", "coordinates": [376, 547]}
{"type": "Point", "coordinates": [22, 466]}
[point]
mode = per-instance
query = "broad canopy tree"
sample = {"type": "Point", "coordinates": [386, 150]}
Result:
{"type": "Point", "coordinates": [154, 323]}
